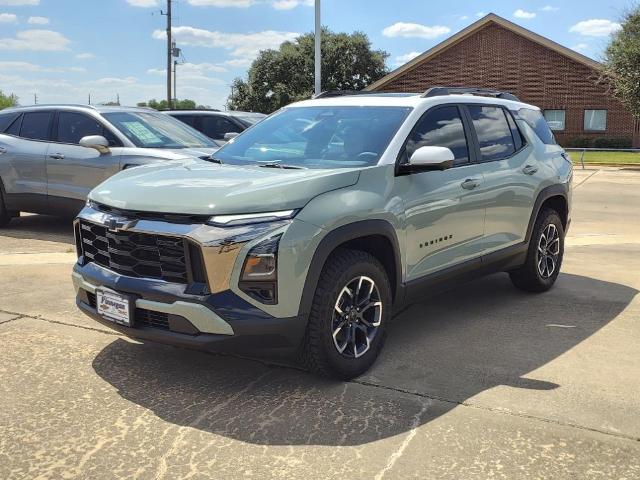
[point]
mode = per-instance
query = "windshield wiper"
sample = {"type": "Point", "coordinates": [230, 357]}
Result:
{"type": "Point", "coordinates": [280, 165]}
{"type": "Point", "coordinates": [213, 159]}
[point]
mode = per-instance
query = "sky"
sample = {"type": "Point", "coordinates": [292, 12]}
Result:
{"type": "Point", "coordinates": [66, 50]}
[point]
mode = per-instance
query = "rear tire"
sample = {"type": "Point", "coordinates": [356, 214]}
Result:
{"type": "Point", "coordinates": [5, 215]}
{"type": "Point", "coordinates": [544, 256]}
{"type": "Point", "coordinates": [349, 315]}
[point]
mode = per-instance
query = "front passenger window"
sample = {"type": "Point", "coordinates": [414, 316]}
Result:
{"type": "Point", "coordinates": [73, 126]}
{"type": "Point", "coordinates": [441, 127]}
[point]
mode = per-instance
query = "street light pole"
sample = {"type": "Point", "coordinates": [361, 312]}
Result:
{"type": "Point", "coordinates": [318, 51]}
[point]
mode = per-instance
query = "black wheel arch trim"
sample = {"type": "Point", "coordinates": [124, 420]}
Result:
{"type": "Point", "coordinates": [558, 190]}
{"type": "Point", "coordinates": [340, 236]}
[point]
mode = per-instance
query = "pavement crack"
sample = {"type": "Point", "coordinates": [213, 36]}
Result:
{"type": "Point", "coordinates": [11, 319]}
{"type": "Point", "coordinates": [57, 322]}
{"type": "Point", "coordinates": [584, 181]}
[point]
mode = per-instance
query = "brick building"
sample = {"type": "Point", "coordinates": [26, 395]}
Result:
{"type": "Point", "coordinates": [495, 53]}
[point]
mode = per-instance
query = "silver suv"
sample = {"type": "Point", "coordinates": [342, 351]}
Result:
{"type": "Point", "coordinates": [52, 156]}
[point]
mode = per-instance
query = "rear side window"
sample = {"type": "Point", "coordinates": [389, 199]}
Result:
{"type": "Point", "coordinates": [188, 119]}
{"type": "Point", "coordinates": [494, 134]}
{"type": "Point", "coordinates": [441, 127]}
{"type": "Point", "coordinates": [537, 122]}
{"type": "Point", "coordinates": [73, 126]}
{"type": "Point", "coordinates": [35, 125]}
{"type": "Point", "coordinates": [6, 119]}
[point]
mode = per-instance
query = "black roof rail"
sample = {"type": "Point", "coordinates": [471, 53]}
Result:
{"type": "Point", "coordinates": [341, 93]}
{"type": "Point", "coordinates": [487, 92]}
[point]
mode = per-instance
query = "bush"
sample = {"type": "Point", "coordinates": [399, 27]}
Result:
{"type": "Point", "coordinates": [579, 142]}
{"type": "Point", "coordinates": [612, 142]}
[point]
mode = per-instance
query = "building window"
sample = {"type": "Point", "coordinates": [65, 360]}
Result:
{"type": "Point", "coordinates": [595, 120]}
{"type": "Point", "coordinates": [555, 119]}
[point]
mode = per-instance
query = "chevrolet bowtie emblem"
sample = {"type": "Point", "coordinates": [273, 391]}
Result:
{"type": "Point", "coordinates": [117, 224]}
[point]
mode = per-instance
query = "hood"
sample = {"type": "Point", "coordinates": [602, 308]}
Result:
{"type": "Point", "coordinates": [202, 188]}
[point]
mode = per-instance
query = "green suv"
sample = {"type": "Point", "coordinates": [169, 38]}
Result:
{"type": "Point", "coordinates": [317, 224]}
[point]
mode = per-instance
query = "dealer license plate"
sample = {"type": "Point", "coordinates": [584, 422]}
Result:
{"type": "Point", "coordinates": [114, 307]}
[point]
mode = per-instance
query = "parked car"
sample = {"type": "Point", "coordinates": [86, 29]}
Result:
{"type": "Point", "coordinates": [52, 156]}
{"type": "Point", "coordinates": [220, 126]}
{"type": "Point", "coordinates": [322, 220]}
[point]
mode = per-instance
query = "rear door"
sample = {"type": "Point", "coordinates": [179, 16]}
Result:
{"type": "Point", "coordinates": [23, 148]}
{"type": "Point", "coordinates": [510, 175]}
{"type": "Point", "coordinates": [73, 170]}
{"type": "Point", "coordinates": [444, 210]}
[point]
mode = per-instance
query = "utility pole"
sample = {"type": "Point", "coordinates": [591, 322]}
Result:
{"type": "Point", "coordinates": [175, 83]}
{"type": "Point", "coordinates": [118, 99]}
{"type": "Point", "coordinates": [318, 51]}
{"type": "Point", "coordinates": [89, 99]}
{"type": "Point", "coordinates": [35, 98]}
{"type": "Point", "coordinates": [169, 51]}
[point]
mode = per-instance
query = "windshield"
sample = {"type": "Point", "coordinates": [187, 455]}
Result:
{"type": "Point", "coordinates": [156, 130]}
{"type": "Point", "coordinates": [250, 118]}
{"type": "Point", "coordinates": [317, 137]}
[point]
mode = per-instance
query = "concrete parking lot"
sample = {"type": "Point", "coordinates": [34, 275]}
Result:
{"type": "Point", "coordinates": [481, 382]}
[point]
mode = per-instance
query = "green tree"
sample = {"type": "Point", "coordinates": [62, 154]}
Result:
{"type": "Point", "coordinates": [184, 104]}
{"type": "Point", "coordinates": [7, 100]}
{"type": "Point", "coordinates": [279, 77]}
{"type": "Point", "coordinates": [622, 62]}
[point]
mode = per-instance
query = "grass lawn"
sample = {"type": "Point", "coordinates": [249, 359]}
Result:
{"type": "Point", "coordinates": [606, 157]}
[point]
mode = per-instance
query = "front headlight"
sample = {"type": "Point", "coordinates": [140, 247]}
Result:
{"type": "Point", "coordinates": [259, 277]}
{"type": "Point", "coordinates": [249, 218]}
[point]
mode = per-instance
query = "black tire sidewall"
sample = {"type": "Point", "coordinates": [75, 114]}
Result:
{"type": "Point", "coordinates": [343, 366]}
{"type": "Point", "coordinates": [548, 217]}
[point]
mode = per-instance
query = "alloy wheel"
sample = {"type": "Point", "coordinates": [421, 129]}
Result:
{"type": "Point", "coordinates": [548, 251]}
{"type": "Point", "coordinates": [357, 315]}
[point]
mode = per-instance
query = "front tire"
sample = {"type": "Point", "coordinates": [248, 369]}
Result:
{"type": "Point", "coordinates": [544, 256]}
{"type": "Point", "coordinates": [5, 215]}
{"type": "Point", "coordinates": [349, 315]}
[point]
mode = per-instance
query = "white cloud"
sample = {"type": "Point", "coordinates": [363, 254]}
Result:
{"type": "Point", "coordinates": [38, 20]}
{"type": "Point", "coordinates": [222, 3]}
{"type": "Point", "coordinates": [8, 18]}
{"type": "Point", "coordinates": [481, 14]}
{"type": "Point", "coordinates": [595, 27]}
{"type": "Point", "coordinates": [289, 4]}
{"type": "Point", "coordinates": [16, 66]}
{"type": "Point", "coordinates": [581, 47]}
{"type": "Point", "coordinates": [85, 56]}
{"type": "Point", "coordinates": [407, 57]}
{"type": "Point", "coordinates": [523, 14]}
{"type": "Point", "coordinates": [19, 3]}
{"type": "Point", "coordinates": [38, 40]}
{"type": "Point", "coordinates": [549, 8]}
{"type": "Point", "coordinates": [244, 46]}
{"type": "Point", "coordinates": [143, 3]}
{"type": "Point", "coordinates": [415, 30]}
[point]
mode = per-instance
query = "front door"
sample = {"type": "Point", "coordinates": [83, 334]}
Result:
{"type": "Point", "coordinates": [444, 211]}
{"type": "Point", "coordinates": [72, 170]}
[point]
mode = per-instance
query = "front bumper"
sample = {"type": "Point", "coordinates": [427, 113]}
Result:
{"type": "Point", "coordinates": [218, 322]}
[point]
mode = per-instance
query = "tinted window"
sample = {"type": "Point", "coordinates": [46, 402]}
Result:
{"type": "Point", "coordinates": [493, 132]}
{"type": "Point", "coordinates": [14, 128]}
{"type": "Point", "coordinates": [515, 132]}
{"type": "Point", "coordinates": [6, 119]}
{"type": "Point", "coordinates": [188, 119]}
{"type": "Point", "coordinates": [35, 125]}
{"type": "Point", "coordinates": [73, 126]}
{"type": "Point", "coordinates": [536, 121]}
{"type": "Point", "coordinates": [216, 127]}
{"type": "Point", "coordinates": [441, 127]}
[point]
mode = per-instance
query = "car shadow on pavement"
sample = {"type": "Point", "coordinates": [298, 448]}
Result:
{"type": "Point", "coordinates": [40, 227]}
{"type": "Point", "coordinates": [482, 335]}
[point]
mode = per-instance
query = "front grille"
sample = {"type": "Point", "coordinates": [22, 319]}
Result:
{"type": "Point", "coordinates": [140, 255]}
{"type": "Point", "coordinates": [143, 317]}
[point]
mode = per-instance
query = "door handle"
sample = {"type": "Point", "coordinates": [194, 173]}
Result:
{"type": "Point", "coordinates": [470, 183]}
{"type": "Point", "coordinates": [529, 170]}
{"type": "Point", "coordinates": [57, 156]}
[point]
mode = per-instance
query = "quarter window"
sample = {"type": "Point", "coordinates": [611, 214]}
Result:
{"type": "Point", "coordinates": [536, 121]}
{"type": "Point", "coordinates": [595, 120]}
{"type": "Point", "coordinates": [555, 119]}
{"type": "Point", "coordinates": [441, 127]}
{"type": "Point", "coordinates": [6, 119]}
{"type": "Point", "coordinates": [35, 125]}
{"type": "Point", "coordinates": [73, 126]}
{"type": "Point", "coordinates": [493, 132]}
